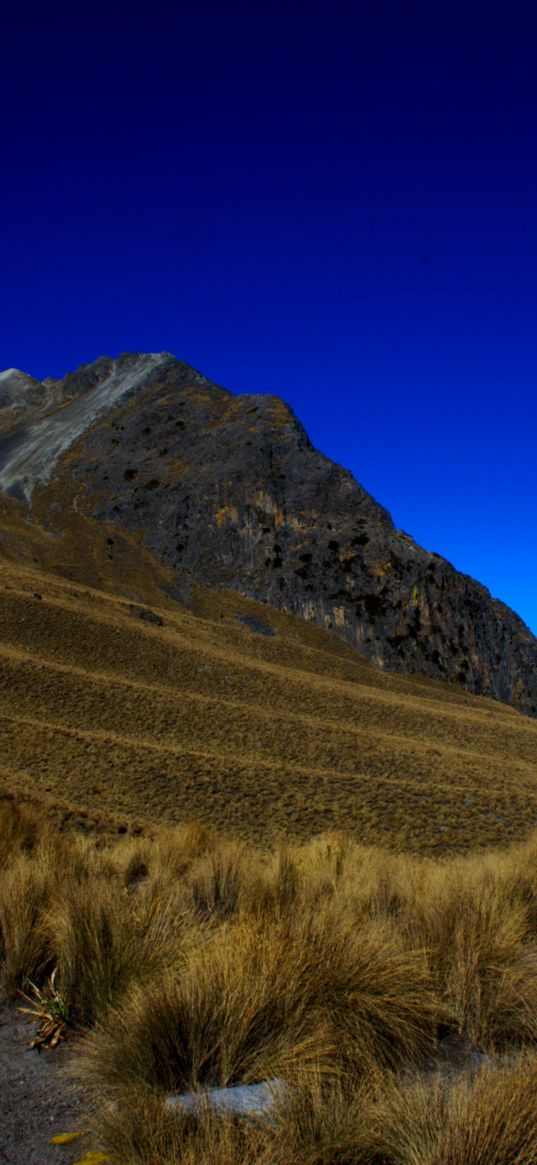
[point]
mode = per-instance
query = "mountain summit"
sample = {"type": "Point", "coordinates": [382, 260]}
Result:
{"type": "Point", "coordinates": [228, 491]}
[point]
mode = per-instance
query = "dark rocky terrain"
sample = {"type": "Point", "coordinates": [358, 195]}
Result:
{"type": "Point", "coordinates": [228, 491]}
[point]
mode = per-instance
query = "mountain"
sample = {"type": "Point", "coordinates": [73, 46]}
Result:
{"type": "Point", "coordinates": [227, 491]}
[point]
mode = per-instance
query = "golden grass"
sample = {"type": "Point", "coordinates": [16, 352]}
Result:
{"type": "Point", "coordinates": [21, 830]}
{"type": "Point", "coordinates": [193, 822]}
{"type": "Point", "coordinates": [192, 960]}
{"type": "Point", "coordinates": [318, 1126]}
{"type": "Point", "coordinates": [266, 737]}
{"type": "Point", "coordinates": [489, 1118]}
{"type": "Point", "coordinates": [27, 889]}
{"type": "Point", "coordinates": [62, 904]}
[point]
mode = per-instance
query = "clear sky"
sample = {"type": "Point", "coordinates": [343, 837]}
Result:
{"type": "Point", "coordinates": [333, 202]}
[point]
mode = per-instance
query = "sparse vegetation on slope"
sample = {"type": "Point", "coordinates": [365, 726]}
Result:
{"type": "Point", "coordinates": [130, 704]}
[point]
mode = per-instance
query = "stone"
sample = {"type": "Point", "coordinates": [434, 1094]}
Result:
{"type": "Point", "coordinates": [251, 1101]}
{"type": "Point", "coordinates": [255, 624]}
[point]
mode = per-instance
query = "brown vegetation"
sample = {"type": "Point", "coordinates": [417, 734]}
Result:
{"type": "Point", "coordinates": [191, 822]}
{"type": "Point", "coordinates": [364, 979]}
{"type": "Point", "coordinates": [123, 702]}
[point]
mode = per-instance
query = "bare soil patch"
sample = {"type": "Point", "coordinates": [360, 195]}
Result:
{"type": "Point", "coordinates": [37, 1098]}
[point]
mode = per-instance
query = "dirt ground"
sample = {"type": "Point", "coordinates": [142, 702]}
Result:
{"type": "Point", "coordinates": [37, 1099]}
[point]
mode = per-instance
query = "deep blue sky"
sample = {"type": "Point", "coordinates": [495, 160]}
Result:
{"type": "Point", "coordinates": [334, 202]}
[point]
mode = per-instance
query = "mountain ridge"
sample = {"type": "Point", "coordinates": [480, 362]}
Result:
{"type": "Point", "coordinates": [227, 490]}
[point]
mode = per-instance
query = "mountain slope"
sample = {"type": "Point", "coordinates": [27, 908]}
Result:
{"type": "Point", "coordinates": [228, 491]}
{"type": "Point", "coordinates": [117, 700]}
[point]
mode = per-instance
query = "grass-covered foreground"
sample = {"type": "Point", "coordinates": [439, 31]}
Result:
{"type": "Point", "coordinates": [362, 978]}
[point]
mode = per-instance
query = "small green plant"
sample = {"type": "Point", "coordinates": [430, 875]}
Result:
{"type": "Point", "coordinates": [51, 1011]}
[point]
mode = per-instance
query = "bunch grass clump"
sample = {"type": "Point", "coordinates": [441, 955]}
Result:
{"type": "Point", "coordinates": [396, 997]}
{"type": "Point", "coordinates": [485, 1118]}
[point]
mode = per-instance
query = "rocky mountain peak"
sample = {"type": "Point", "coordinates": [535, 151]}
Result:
{"type": "Point", "coordinates": [227, 491]}
{"type": "Point", "coordinates": [57, 412]}
{"type": "Point", "coordinates": [18, 391]}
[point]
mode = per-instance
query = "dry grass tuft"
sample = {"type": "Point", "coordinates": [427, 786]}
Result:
{"type": "Point", "coordinates": [20, 830]}
{"type": "Point", "coordinates": [489, 1118]}
{"type": "Point", "coordinates": [482, 948]}
{"type": "Point", "coordinates": [228, 881]}
{"type": "Point", "coordinates": [234, 1014]}
{"type": "Point", "coordinates": [29, 886]}
{"type": "Point", "coordinates": [104, 941]}
{"type": "Point", "coordinates": [193, 961]}
{"type": "Point", "coordinates": [64, 908]}
{"type": "Point", "coordinates": [150, 1134]}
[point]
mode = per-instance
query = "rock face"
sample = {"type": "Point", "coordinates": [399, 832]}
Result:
{"type": "Point", "coordinates": [228, 491]}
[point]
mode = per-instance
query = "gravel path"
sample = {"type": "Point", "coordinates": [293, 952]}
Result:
{"type": "Point", "coordinates": [36, 1098]}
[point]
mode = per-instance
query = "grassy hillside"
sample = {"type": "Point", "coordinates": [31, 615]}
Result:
{"type": "Point", "coordinates": [125, 705]}
{"type": "Point", "coordinates": [191, 814]}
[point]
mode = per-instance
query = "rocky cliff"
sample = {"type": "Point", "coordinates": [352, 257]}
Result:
{"type": "Point", "coordinates": [228, 491]}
